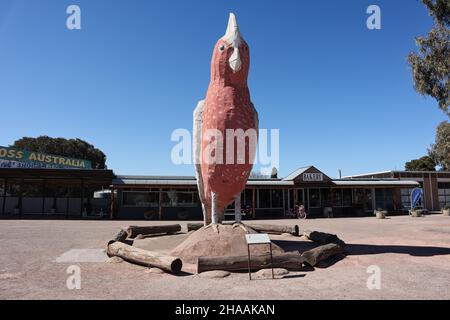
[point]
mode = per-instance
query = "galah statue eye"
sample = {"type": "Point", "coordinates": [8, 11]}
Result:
{"type": "Point", "coordinates": [222, 48]}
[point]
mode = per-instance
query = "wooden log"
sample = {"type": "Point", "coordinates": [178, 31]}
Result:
{"type": "Point", "coordinates": [275, 229]}
{"type": "Point", "coordinates": [120, 237]}
{"type": "Point", "coordinates": [314, 256]}
{"type": "Point", "coordinates": [321, 237]}
{"type": "Point", "coordinates": [288, 260]}
{"type": "Point", "coordinates": [145, 257]}
{"type": "Point", "coordinates": [194, 226]}
{"type": "Point", "coordinates": [133, 231]}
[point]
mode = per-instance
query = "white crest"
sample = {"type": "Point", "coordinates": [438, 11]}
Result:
{"type": "Point", "coordinates": [233, 38]}
{"type": "Point", "coordinates": [232, 35]}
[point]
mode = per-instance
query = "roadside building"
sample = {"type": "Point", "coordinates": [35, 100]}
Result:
{"type": "Point", "coordinates": [435, 185]}
{"type": "Point", "coordinates": [82, 193]}
{"type": "Point", "coordinates": [171, 197]}
{"type": "Point", "coordinates": [56, 192]}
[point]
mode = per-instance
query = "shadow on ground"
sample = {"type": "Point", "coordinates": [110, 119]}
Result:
{"type": "Point", "coordinates": [368, 249]}
{"type": "Point", "coordinates": [417, 251]}
{"type": "Point", "coordinates": [301, 246]}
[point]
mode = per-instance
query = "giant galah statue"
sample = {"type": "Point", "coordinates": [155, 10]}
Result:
{"type": "Point", "coordinates": [227, 106]}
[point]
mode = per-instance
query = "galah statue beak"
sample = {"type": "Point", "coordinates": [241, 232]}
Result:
{"type": "Point", "coordinates": [234, 39]}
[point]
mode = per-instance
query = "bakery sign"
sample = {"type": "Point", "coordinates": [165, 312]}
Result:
{"type": "Point", "coordinates": [313, 177]}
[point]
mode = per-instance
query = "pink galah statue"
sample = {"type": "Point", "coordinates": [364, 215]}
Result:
{"type": "Point", "coordinates": [227, 106]}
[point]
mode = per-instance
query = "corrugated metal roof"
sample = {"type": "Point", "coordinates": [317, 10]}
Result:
{"type": "Point", "coordinates": [367, 174]}
{"type": "Point", "coordinates": [153, 182]}
{"type": "Point", "coordinates": [394, 171]}
{"type": "Point", "coordinates": [288, 181]}
{"type": "Point", "coordinates": [296, 173]}
{"type": "Point", "coordinates": [375, 183]}
{"type": "Point", "coordinates": [132, 177]}
{"type": "Point", "coordinates": [270, 183]}
{"type": "Point", "coordinates": [193, 182]}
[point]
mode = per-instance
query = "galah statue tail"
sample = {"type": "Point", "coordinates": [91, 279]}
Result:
{"type": "Point", "coordinates": [227, 106]}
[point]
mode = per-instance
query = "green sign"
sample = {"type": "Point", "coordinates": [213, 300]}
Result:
{"type": "Point", "coordinates": [15, 158]}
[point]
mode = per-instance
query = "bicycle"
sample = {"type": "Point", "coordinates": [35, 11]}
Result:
{"type": "Point", "coordinates": [290, 213]}
{"type": "Point", "coordinates": [302, 214]}
{"type": "Point", "coordinates": [296, 213]}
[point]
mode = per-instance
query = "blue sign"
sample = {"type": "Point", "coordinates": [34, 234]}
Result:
{"type": "Point", "coordinates": [416, 196]}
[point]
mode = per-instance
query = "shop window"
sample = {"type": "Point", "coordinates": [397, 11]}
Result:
{"type": "Point", "coordinates": [314, 198]}
{"type": "Point", "coordinates": [325, 199]}
{"type": "Point", "coordinates": [195, 197]}
{"type": "Point", "coordinates": [11, 202]}
{"type": "Point", "coordinates": [362, 199]}
{"type": "Point", "coordinates": [384, 199]}
{"type": "Point", "coordinates": [74, 191]}
{"type": "Point", "coordinates": [2, 187]}
{"type": "Point", "coordinates": [32, 189]}
{"type": "Point", "coordinates": [277, 198]}
{"type": "Point", "coordinates": [140, 199]}
{"type": "Point", "coordinates": [300, 196]}
{"type": "Point", "coordinates": [247, 198]}
{"type": "Point", "coordinates": [405, 195]}
{"type": "Point", "coordinates": [263, 198]}
{"type": "Point", "coordinates": [185, 198]}
{"type": "Point", "coordinates": [346, 197]}
{"type": "Point", "coordinates": [179, 198]}
{"type": "Point", "coordinates": [337, 197]}
{"type": "Point", "coordinates": [55, 190]}
{"type": "Point", "coordinates": [13, 188]}
{"type": "Point", "coordinates": [444, 194]}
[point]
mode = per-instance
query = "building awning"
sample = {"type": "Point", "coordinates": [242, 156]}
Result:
{"type": "Point", "coordinates": [157, 182]}
{"type": "Point", "coordinates": [269, 183]}
{"type": "Point", "coordinates": [376, 183]}
{"type": "Point", "coordinates": [190, 182]}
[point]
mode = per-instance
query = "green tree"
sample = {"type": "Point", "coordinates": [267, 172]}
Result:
{"type": "Point", "coordinates": [425, 163]}
{"type": "Point", "coordinates": [440, 150]}
{"type": "Point", "coordinates": [431, 64]}
{"type": "Point", "coordinates": [74, 148]}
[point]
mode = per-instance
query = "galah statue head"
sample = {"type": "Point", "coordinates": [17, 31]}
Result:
{"type": "Point", "coordinates": [231, 57]}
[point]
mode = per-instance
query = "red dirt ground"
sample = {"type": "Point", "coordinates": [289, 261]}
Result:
{"type": "Point", "coordinates": [413, 255]}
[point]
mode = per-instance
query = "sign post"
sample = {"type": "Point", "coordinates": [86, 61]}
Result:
{"type": "Point", "coordinates": [258, 238]}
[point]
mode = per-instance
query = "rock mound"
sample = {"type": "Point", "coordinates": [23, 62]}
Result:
{"type": "Point", "coordinates": [229, 241]}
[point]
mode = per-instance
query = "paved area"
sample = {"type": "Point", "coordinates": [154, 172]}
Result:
{"type": "Point", "coordinates": [412, 254]}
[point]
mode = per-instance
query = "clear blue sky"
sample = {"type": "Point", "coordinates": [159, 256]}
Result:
{"type": "Point", "coordinates": [341, 95]}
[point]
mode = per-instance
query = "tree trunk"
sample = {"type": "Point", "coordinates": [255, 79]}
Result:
{"type": "Point", "coordinates": [314, 256]}
{"type": "Point", "coordinates": [320, 237]}
{"type": "Point", "coordinates": [120, 237]}
{"type": "Point", "coordinates": [274, 229]}
{"type": "Point", "coordinates": [133, 231]}
{"type": "Point", "coordinates": [144, 257]}
{"type": "Point", "coordinates": [194, 226]}
{"type": "Point", "coordinates": [289, 260]}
